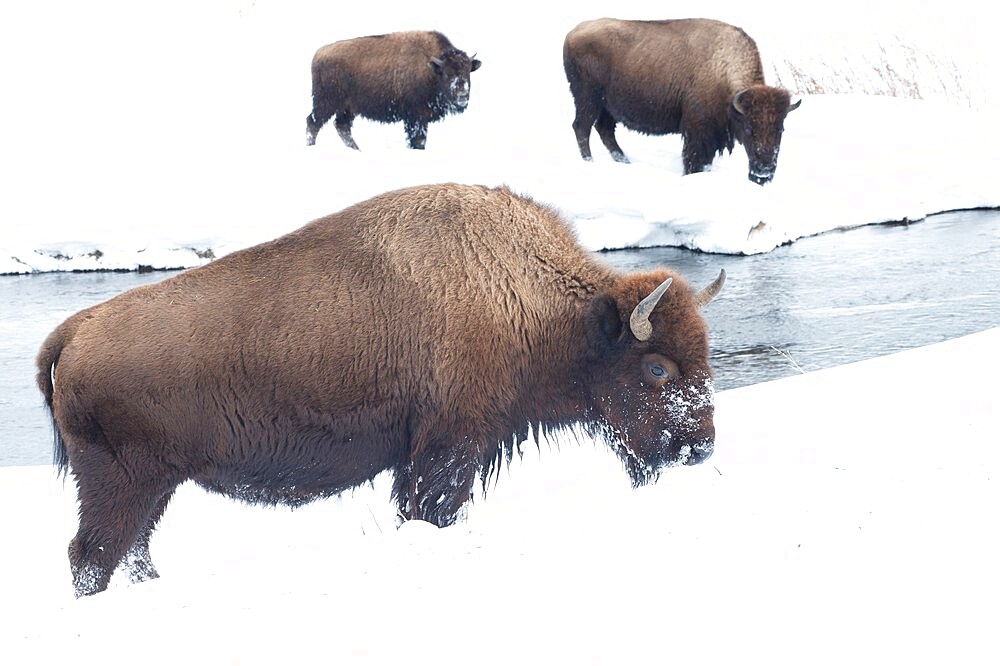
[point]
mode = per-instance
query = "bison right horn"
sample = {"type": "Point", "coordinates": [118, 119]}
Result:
{"type": "Point", "coordinates": [639, 321]}
{"type": "Point", "coordinates": [702, 298]}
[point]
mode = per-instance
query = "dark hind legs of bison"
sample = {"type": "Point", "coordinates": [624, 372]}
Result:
{"type": "Point", "coordinates": [343, 123]}
{"type": "Point", "coordinates": [118, 513]}
{"type": "Point", "coordinates": [314, 121]}
{"type": "Point", "coordinates": [137, 562]}
{"type": "Point", "coordinates": [588, 118]}
{"type": "Point", "coordinates": [606, 129]}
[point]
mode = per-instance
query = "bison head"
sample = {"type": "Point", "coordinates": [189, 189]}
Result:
{"type": "Point", "coordinates": [651, 394]}
{"type": "Point", "coordinates": [757, 116]}
{"type": "Point", "coordinates": [453, 69]}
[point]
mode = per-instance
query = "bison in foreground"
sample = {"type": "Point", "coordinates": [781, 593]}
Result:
{"type": "Point", "coordinates": [413, 77]}
{"type": "Point", "coordinates": [424, 331]}
{"type": "Point", "coordinates": [699, 77]}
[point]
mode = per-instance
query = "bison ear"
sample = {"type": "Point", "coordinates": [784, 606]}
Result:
{"type": "Point", "coordinates": [604, 322]}
{"type": "Point", "coordinates": [476, 64]}
{"type": "Point", "coordinates": [436, 64]}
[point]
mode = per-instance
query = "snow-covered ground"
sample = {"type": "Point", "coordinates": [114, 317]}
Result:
{"type": "Point", "coordinates": [848, 516]}
{"type": "Point", "coordinates": [162, 135]}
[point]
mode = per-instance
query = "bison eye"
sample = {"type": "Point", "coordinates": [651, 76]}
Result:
{"type": "Point", "coordinates": [658, 370]}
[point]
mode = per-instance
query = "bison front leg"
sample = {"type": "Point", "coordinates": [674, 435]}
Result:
{"type": "Point", "coordinates": [698, 152]}
{"type": "Point", "coordinates": [436, 485]}
{"type": "Point", "coordinates": [416, 133]}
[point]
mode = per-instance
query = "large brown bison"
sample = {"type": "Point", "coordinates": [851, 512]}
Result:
{"type": "Point", "coordinates": [425, 332]}
{"type": "Point", "coordinates": [413, 77]}
{"type": "Point", "coordinates": [697, 77]}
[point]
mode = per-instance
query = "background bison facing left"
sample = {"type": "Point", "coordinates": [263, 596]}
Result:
{"type": "Point", "coordinates": [413, 77]}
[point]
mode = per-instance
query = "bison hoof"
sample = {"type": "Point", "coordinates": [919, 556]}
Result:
{"type": "Point", "coordinates": [620, 157]}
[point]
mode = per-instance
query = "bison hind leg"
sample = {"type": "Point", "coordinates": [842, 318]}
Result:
{"type": "Point", "coordinates": [606, 129]}
{"type": "Point", "coordinates": [314, 123]}
{"type": "Point", "coordinates": [137, 563]}
{"type": "Point", "coordinates": [343, 122]}
{"type": "Point", "coordinates": [583, 122]}
{"type": "Point", "coordinates": [118, 511]}
{"type": "Point", "coordinates": [321, 113]}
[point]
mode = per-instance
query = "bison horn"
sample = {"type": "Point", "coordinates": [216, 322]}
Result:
{"type": "Point", "coordinates": [736, 102]}
{"type": "Point", "coordinates": [639, 321]}
{"type": "Point", "coordinates": [437, 62]}
{"type": "Point", "coordinates": [702, 298]}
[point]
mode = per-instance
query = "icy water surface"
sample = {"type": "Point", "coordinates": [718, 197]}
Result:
{"type": "Point", "coordinates": [843, 296]}
{"type": "Point", "coordinates": [820, 302]}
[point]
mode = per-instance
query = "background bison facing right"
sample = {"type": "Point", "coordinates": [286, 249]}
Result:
{"type": "Point", "coordinates": [413, 77]}
{"type": "Point", "coordinates": [699, 77]}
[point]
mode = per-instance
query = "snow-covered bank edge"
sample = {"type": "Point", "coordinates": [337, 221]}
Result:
{"type": "Point", "coordinates": [606, 232]}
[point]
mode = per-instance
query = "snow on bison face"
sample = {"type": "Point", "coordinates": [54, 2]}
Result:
{"type": "Point", "coordinates": [758, 115]}
{"type": "Point", "coordinates": [651, 391]}
{"type": "Point", "coordinates": [454, 69]}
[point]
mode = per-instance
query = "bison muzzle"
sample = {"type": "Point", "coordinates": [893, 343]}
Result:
{"type": "Point", "coordinates": [426, 332]}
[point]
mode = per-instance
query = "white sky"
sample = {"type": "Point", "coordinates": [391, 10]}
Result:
{"type": "Point", "coordinates": [848, 515]}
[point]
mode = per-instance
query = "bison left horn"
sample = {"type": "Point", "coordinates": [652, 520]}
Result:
{"type": "Point", "coordinates": [736, 102]}
{"type": "Point", "coordinates": [639, 321]}
{"type": "Point", "coordinates": [711, 291]}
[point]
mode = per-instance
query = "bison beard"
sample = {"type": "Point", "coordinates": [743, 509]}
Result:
{"type": "Point", "coordinates": [426, 332]}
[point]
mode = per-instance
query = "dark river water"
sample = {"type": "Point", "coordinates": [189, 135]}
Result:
{"type": "Point", "coordinates": [820, 302]}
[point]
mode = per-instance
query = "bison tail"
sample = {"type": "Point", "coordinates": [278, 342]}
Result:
{"type": "Point", "coordinates": [48, 357]}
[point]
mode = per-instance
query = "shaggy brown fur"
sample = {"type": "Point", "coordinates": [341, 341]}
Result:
{"type": "Point", "coordinates": [697, 77]}
{"type": "Point", "coordinates": [413, 77]}
{"type": "Point", "coordinates": [424, 332]}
